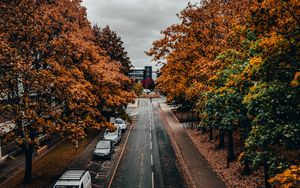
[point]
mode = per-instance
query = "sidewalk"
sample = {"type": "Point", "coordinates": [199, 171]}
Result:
{"type": "Point", "coordinates": [197, 170]}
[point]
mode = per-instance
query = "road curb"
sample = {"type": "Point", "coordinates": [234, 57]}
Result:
{"type": "Point", "coordinates": [187, 176]}
{"type": "Point", "coordinates": [174, 116]}
{"type": "Point", "coordinates": [93, 142]}
{"type": "Point", "coordinates": [121, 155]}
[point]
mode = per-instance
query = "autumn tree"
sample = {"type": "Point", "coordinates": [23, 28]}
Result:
{"type": "Point", "coordinates": [237, 62]}
{"type": "Point", "coordinates": [273, 100]}
{"type": "Point", "coordinates": [188, 49]}
{"type": "Point", "coordinates": [54, 79]}
{"type": "Point", "coordinates": [112, 44]}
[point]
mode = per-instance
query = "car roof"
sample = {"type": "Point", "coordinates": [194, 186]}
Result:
{"type": "Point", "coordinates": [101, 142]}
{"type": "Point", "coordinates": [72, 175]}
{"type": "Point", "coordinates": [119, 119]}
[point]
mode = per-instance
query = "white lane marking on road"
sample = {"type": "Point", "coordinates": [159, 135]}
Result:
{"type": "Point", "coordinates": [150, 128]}
{"type": "Point", "coordinates": [150, 123]}
{"type": "Point", "coordinates": [151, 145]}
{"type": "Point", "coordinates": [152, 180]}
{"type": "Point", "coordinates": [151, 157]}
{"type": "Point", "coordinates": [150, 136]}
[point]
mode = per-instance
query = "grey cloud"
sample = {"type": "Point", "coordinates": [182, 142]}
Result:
{"type": "Point", "coordinates": [137, 22]}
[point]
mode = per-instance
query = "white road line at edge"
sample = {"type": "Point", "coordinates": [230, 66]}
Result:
{"type": "Point", "coordinates": [152, 180]}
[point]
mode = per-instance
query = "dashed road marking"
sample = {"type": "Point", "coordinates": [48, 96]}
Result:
{"type": "Point", "coordinates": [150, 128]}
{"type": "Point", "coordinates": [151, 145]}
{"type": "Point", "coordinates": [152, 180]}
{"type": "Point", "coordinates": [150, 136]}
{"type": "Point", "coordinates": [151, 157]}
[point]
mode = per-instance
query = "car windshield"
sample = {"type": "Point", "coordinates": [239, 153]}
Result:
{"type": "Point", "coordinates": [119, 121]}
{"type": "Point", "coordinates": [108, 133]}
{"type": "Point", "coordinates": [103, 145]}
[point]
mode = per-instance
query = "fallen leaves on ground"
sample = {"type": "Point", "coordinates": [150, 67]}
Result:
{"type": "Point", "coordinates": [217, 159]}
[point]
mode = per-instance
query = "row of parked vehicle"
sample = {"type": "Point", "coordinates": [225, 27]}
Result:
{"type": "Point", "coordinates": [103, 150]}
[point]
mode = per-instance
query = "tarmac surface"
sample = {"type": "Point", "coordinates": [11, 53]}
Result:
{"type": "Point", "coordinates": [149, 159]}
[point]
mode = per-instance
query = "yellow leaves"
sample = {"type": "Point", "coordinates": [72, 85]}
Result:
{"type": "Point", "coordinates": [288, 179]}
{"type": "Point", "coordinates": [252, 68]}
{"type": "Point", "coordinates": [221, 90]}
{"type": "Point", "coordinates": [295, 82]}
{"type": "Point", "coordinates": [255, 61]}
{"type": "Point", "coordinates": [273, 43]}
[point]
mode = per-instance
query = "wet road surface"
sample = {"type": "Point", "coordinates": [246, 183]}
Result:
{"type": "Point", "coordinates": [149, 159]}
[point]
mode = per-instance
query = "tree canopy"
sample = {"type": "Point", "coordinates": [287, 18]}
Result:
{"type": "Point", "coordinates": [54, 77]}
{"type": "Point", "coordinates": [112, 44]}
{"type": "Point", "coordinates": [237, 63]}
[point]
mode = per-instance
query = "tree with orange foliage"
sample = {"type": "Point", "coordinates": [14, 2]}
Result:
{"type": "Point", "coordinates": [239, 62]}
{"type": "Point", "coordinates": [54, 79]}
{"type": "Point", "coordinates": [112, 44]}
{"type": "Point", "coordinates": [193, 44]}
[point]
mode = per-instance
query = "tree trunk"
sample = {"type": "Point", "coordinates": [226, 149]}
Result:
{"type": "Point", "coordinates": [221, 144]}
{"type": "Point", "coordinates": [266, 174]}
{"type": "Point", "coordinates": [246, 170]}
{"type": "Point", "coordinates": [230, 152]}
{"type": "Point", "coordinates": [210, 133]}
{"type": "Point", "coordinates": [28, 150]}
{"type": "Point", "coordinates": [203, 130]}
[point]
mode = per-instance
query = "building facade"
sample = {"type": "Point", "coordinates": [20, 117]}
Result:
{"type": "Point", "coordinates": [140, 74]}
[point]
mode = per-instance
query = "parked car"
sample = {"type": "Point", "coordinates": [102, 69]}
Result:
{"type": "Point", "coordinates": [104, 149]}
{"type": "Point", "coordinates": [121, 123]}
{"type": "Point", "coordinates": [115, 135]}
{"type": "Point", "coordinates": [147, 91]}
{"type": "Point", "coordinates": [74, 179]}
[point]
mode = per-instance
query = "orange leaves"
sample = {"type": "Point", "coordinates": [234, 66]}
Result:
{"type": "Point", "coordinates": [255, 61]}
{"type": "Point", "coordinates": [57, 79]}
{"type": "Point", "coordinates": [288, 179]}
{"type": "Point", "coordinates": [296, 81]}
{"type": "Point", "coordinates": [190, 48]}
{"type": "Point", "coordinates": [273, 43]}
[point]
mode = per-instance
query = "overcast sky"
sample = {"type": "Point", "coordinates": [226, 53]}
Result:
{"type": "Point", "coordinates": [137, 22]}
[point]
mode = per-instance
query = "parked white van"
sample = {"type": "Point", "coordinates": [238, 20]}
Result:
{"type": "Point", "coordinates": [74, 179]}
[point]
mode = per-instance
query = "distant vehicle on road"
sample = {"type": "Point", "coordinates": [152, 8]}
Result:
{"type": "Point", "coordinates": [115, 135]}
{"type": "Point", "coordinates": [121, 123]}
{"type": "Point", "coordinates": [147, 91]}
{"type": "Point", "coordinates": [104, 149]}
{"type": "Point", "coordinates": [74, 179]}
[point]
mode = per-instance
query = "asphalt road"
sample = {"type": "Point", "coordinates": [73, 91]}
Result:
{"type": "Point", "coordinates": [149, 159]}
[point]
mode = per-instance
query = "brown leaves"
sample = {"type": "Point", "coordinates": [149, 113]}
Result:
{"type": "Point", "coordinates": [53, 75]}
{"type": "Point", "coordinates": [189, 49]}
